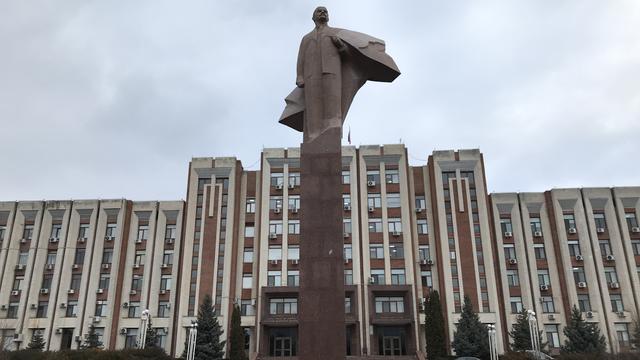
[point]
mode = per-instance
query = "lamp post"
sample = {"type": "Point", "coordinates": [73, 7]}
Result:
{"type": "Point", "coordinates": [533, 333]}
{"type": "Point", "coordinates": [493, 346]}
{"type": "Point", "coordinates": [144, 320]}
{"type": "Point", "coordinates": [191, 344]}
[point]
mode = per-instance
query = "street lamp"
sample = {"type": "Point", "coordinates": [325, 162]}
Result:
{"type": "Point", "coordinates": [533, 333]}
{"type": "Point", "coordinates": [191, 343]}
{"type": "Point", "coordinates": [144, 320]}
{"type": "Point", "coordinates": [493, 346]}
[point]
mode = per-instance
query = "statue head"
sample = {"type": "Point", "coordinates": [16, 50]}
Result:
{"type": "Point", "coordinates": [320, 15]}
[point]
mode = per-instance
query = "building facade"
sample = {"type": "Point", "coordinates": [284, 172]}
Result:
{"type": "Point", "coordinates": [69, 265]}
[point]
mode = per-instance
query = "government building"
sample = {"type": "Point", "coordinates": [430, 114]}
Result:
{"type": "Point", "coordinates": [67, 265]}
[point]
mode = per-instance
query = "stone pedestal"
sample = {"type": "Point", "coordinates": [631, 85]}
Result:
{"type": "Point", "coordinates": [321, 318]}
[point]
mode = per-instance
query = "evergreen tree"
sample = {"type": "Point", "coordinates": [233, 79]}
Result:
{"type": "Point", "coordinates": [151, 341]}
{"type": "Point", "coordinates": [635, 335]}
{"type": "Point", "coordinates": [36, 342]}
{"type": "Point", "coordinates": [471, 336]}
{"type": "Point", "coordinates": [434, 328]}
{"type": "Point", "coordinates": [236, 337]}
{"type": "Point", "coordinates": [92, 341]}
{"type": "Point", "coordinates": [583, 337]}
{"type": "Point", "coordinates": [521, 334]}
{"type": "Point", "coordinates": [208, 343]}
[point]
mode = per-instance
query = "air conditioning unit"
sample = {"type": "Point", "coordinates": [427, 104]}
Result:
{"type": "Point", "coordinates": [600, 230]}
{"type": "Point", "coordinates": [170, 240]}
{"type": "Point", "coordinates": [589, 314]}
{"type": "Point", "coordinates": [164, 266]}
{"type": "Point", "coordinates": [23, 241]}
{"type": "Point", "coordinates": [552, 316]}
{"type": "Point", "coordinates": [346, 235]}
{"type": "Point", "coordinates": [274, 262]}
{"type": "Point", "coordinates": [572, 230]}
{"type": "Point", "coordinates": [99, 291]}
{"type": "Point", "coordinates": [109, 238]}
{"type": "Point", "coordinates": [423, 262]}
{"type": "Point", "coordinates": [508, 234]}
{"type": "Point", "coordinates": [291, 186]}
{"type": "Point", "coordinates": [396, 233]}
{"type": "Point", "coordinates": [544, 287]}
{"type": "Point", "coordinates": [136, 266]}
{"type": "Point", "coordinates": [59, 331]}
{"type": "Point", "coordinates": [621, 314]}
{"type": "Point", "coordinates": [277, 210]}
{"type": "Point", "coordinates": [125, 305]}
{"type": "Point", "coordinates": [44, 291]}
{"type": "Point", "coordinates": [53, 240]}
{"type": "Point", "coordinates": [372, 280]}
{"type": "Point", "coordinates": [279, 187]}
{"type": "Point", "coordinates": [82, 240]}
{"type": "Point", "coordinates": [139, 241]}
{"type": "Point", "coordinates": [582, 284]}
{"type": "Point", "coordinates": [371, 209]}
{"type": "Point", "coordinates": [371, 183]}
{"type": "Point", "coordinates": [63, 306]}
{"type": "Point", "coordinates": [71, 291]}
{"type": "Point", "coordinates": [610, 258]}
{"type": "Point", "coordinates": [15, 292]}
{"type": "Point", "coordinates": [635, 229]}
{"type": "Point", "coordinates": [20, 267]}
{"type": "Point", "coordinates": [537, 233]}
{"type": "Point", "coordinates": [78, 338]}
{"type": "Point", "coordinates": [347, 207]}
{"type": "Point", "coordinates": [294, 210]}
{"type": "Point", "coordinates": [429, 262]}
{"type": "Point", "coordinates": [513, 261]}
{"type": "Point", "coordinates": [614, 285]}
{"type": "Point", "coordinates": [346, 261]}
{"type": "Point", "coordinates": [418, 210]}
{"type": "Point", "coordinates": [106, 266]}
{"type": "Point", "coordinates": [123, 331]}
{"type": "Point", "coordinates": [273, 236]}
{"type": "Point", "coordinates": [133, 292]}
{"type": "Point", "coordinates": [75, 266]}
{"type": "Point", "coordinates": [163, 291]}
{"type": "Point", "coordinates": [50, 266]}
{"type": "Point", "coordinates": [295, 261]}
{"type": "Point", "coordinates": [17, 337]}
{"type": "Point", "coordinates": [579, 257]}
{"type": "Point", "coordinates": [34, 306]}
{"type": "Point", "coordinates": [3, 307]}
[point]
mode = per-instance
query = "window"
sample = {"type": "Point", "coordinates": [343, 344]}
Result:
{"type": "Point", "coordinates": [376, 251]}
{"type": "Point", "coordinates": [605, 247]}
{"type": "Point", "coordinates": [584, 303]}
{"type": "Point", "coordinates": [250, 207]}
{"type": "Point", "coordinates": [294, 179]}
{"type": "Point", "coordinates": [56, 231]}
{"type": "Point", "coordinates": [616, 302]}
{"type": "Point", "coordinates": [136, 283]}
{"type": "Point", "coordinates": [294, 202]}
{"type": "Point", "coordinates": [538, 249]}
{"type": "Point", "coordinates": [78, 259]}
{"type": "Point", "coordinates": [393, 200]}
{"type": "Point", "coordinates": [107, 256]}
{"type": "Point", "coordinates": [397, 277]}
{"type": "Point", "coordinates": [277, 179]}
{"type": "Point", "coordinates": [423, 251]}
{"type": "Point", "coordinates": [247, 255]}
{"type": "Point", "coordinates": [377, 276]}
{"type": "Point", "coordinates": [427, 278]}
{"type": "Point", "coordinates": [104, 282]}
{"type": "Point", "coordinates": [280, 306]}
{"type": "Point", "coordinates": [373, 175]}
{"type": "Point", "coordinates": [165, 282]}
{"type": "Point", "coordinates": [167, 258]}
{"type": "Point", "coordinates": [505, 225]}
{"type": "Point", "coordinates": [375, 225]}
{"type": "Point", "coordinates": [374, 201]}
{"type": "Point", "coordinates": [553, 337]}
{"type": "Point", "coordinates": [610, 274]}
{"type": "Point", "coordinates": [635, 245]}
{"type": "Point", "coordinates": [396, 250]}
{"type": "Point", "coordinates": [395, 225]}
{"type": "Point", "coordinates": [346, 226]}
{"type": "Point", "coordinates": [389, 304]}
{"type": "Point", "coordinates": [347, 305]}
{"type": "Point", "coordinates": [46, 282]}
{"type": "Point", "coordinates": [423, 228]}
{"type": "Point", "coordinates": [51, 258]}
{"type": "Point", "coordinates": [574, 248]}
{"type": "Point", "coordinates": [536, 225]}
{"type": "Point", "coordinates": [23, 257]}
{"type": "Point", "coordinates": [569, 221]}
{"type": "Point", "coordinates": [293, 252]}
{"type": "Point", "coordinates": [632, 220]}
{"type": "Point", "coordinates": [512, 278]}
{"type": "Point", "coordinates": [131, 338]}
{"type": "Point", "coordinates": [275, 202]}
{"type": "Point", "coordinates": [446, 176]}
{"type": "Point", "coordinates": [111, 230]}
{"type": "Point", "coordinates": [27, 233]}
{"type": "Point", "coordinates": [348, 277]}
{"type": "Point", "coordinates": [293, 278]}
{"type": "Point", "coordinates": [143, 232]}
{"type": "Point", "coordinates": [275, 227]}
{"type": "Point", "coordinates": [170, 232]}
{"type": "Point", "coordinates": [17, 283]}
{"type": "Point", "coordinates": [275, 252]}
{"type": "Point", "coordinates": [391, 176]}
{"type": "Point", "coordinates": [75, 282]}
{"type": "Point", "coordinates": [547, 304]}
{"type": "Point", "coordinates": [601, 222]}
{"type": "Point", "coordinates": [161, 337]}
{"type": "Point", "coordinates": [247, 281]}
{"type": "Point", "coordinates": [12, 310]}
{"type": "Point", "coordinates": [346, 177]}
{"type": "Point", "coordinates": [134, 310]}
{"type": "Point", "coordinates": [294, 227]}
{"type": "Point", "coordinates": [246, 308]}
{"type": "Point", "coordinates": [346, 200]}
{"type": "Point", "coordinates": [249, 231]}
{"type": "Point", "coordinates": [622, 334]}
{"type": "Point", "coordinates": [578, 275]}
{"type": "Point", "coordinates": [543, 277]}
{"type": "Point", "coordinates": [516, 304]}
{"type": "Point", "coordinates": [2, 231]}
{"type": "Point", "coordinates": [72, 309]}
{"type": "Point", "coordinates": [421, 203]}
{"type": "Point", "coordinates": [347, 252]}
{"type": "Point", "coordinates": [509, 252]}
{"type": "Point", "coordinates": [41, 312]}
{"type": "Point", "coordinates": [139, 258]}
{"type": "Point", "coordinates": [274, 278]}
{"type": "Point", "coordinates": [164, 309]}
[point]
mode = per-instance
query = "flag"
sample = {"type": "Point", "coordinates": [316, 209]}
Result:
{"type": "Point", "coordinates": [349, 136]}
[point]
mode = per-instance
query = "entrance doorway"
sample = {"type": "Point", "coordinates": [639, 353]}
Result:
{"type": "Point", "coordinates": [283, 342]}
{"type": "Point", "coordinates": [391, 345]}
{"type": "Point", "coordinates": [67, 339]}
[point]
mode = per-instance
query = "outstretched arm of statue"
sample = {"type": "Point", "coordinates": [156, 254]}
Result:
{"type": "Point", "coordinates": [300, 66]}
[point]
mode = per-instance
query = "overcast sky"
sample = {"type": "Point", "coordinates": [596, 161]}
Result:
{"type": "Point", "coordinates": [110, 99]}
